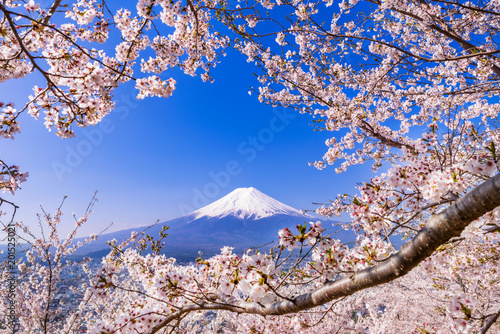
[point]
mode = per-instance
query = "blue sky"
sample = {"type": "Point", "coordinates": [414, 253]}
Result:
{"type": "Point", "coordinates": [158, 158]}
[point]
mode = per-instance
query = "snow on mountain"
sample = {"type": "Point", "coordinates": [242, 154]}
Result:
{"type": "Point", "coordinates": [245, 203]}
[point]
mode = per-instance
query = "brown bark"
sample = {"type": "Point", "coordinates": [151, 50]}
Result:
{"type": "Point", "coordinates": [490, 323]}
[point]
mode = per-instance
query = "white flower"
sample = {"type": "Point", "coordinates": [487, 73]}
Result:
{"type": "Point", "coordinates": [22, 267]}
{"type": "Point", "coordinates": [226, 287]}
{"type": "Point", "coordinates": [31, 6]}
{"type": "Point", "coordinates": [257, 292]}
{"type": "Point", "coordinates": [244, 287]}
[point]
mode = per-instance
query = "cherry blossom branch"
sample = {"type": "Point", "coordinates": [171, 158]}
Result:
{"type": "Point", "coordinates": [195, 13]}
{"type": "Point", "coordinates": [69, 39]}
{"type": "Point", "coordinates": [476, 9]}
{"type": "Point", "coordinates": [384, 140]}
{"type": "Point", "coordinates": [468, 47]}
{"type": "Point", "coordinates": [440, 228]}
{"type": "Point", "coordinates": [299, 260]}
{"type": "Point", "coordinates": [416, 213]}
{"type": "Point", "coordinates": [395, 47]}
{"type": "Point", "coordinates": [23, 48]}
{"type": "Point", "coordinates": [50, 83]}
{"type": "Point", "coordinates": [447, 31]}
{"type": "Point", "coordinates": [143, 294]}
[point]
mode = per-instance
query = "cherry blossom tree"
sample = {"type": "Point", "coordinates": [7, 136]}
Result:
{"type": "Point", "coordinates": [410, 87]}
{"type": "Point", "coordinates": [43, 260]}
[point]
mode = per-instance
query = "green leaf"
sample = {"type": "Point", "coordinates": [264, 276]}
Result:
{"type": "Point", "coordinates": [492, 149]}
{"type": "Point", "coordinates": [302, 229]}
{"type": "Point", "coordinates": [467, 311]}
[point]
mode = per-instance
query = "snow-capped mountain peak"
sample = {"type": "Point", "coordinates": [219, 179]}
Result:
{"type": "Point", "coordinates": [245, 203]}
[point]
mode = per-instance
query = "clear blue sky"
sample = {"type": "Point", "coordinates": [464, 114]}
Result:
{"type": "Point", "coordinates": [157, 158]}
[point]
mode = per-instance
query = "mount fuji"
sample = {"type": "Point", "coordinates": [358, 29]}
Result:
{"type": "Point", "coordinates": [244, 218]}
{"type": "Point", "coordinates": [245, 203]}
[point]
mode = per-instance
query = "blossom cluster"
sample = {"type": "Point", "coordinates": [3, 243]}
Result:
{"type": "Point", "coordinates": [11, 177]}
{"type": "Point", "coordinates": [80, 75]}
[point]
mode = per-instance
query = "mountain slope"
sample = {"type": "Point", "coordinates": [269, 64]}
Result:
{"type": "Point", "coordinates": [244, 218]}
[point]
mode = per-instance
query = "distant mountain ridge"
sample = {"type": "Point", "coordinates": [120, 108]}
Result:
{"type": "Point", "coordinates": [244, 218]}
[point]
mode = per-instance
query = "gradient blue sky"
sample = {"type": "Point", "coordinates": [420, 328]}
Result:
{"type": "Point", "coordinates": [156, 158]}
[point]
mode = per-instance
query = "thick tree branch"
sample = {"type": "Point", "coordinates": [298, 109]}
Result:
{"type": "Point", "coordinates": [51, 12]}
{"type": "Point", "coordinates": [440, 228]}
{"type": "Point", "coordinates": [490, 323]}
